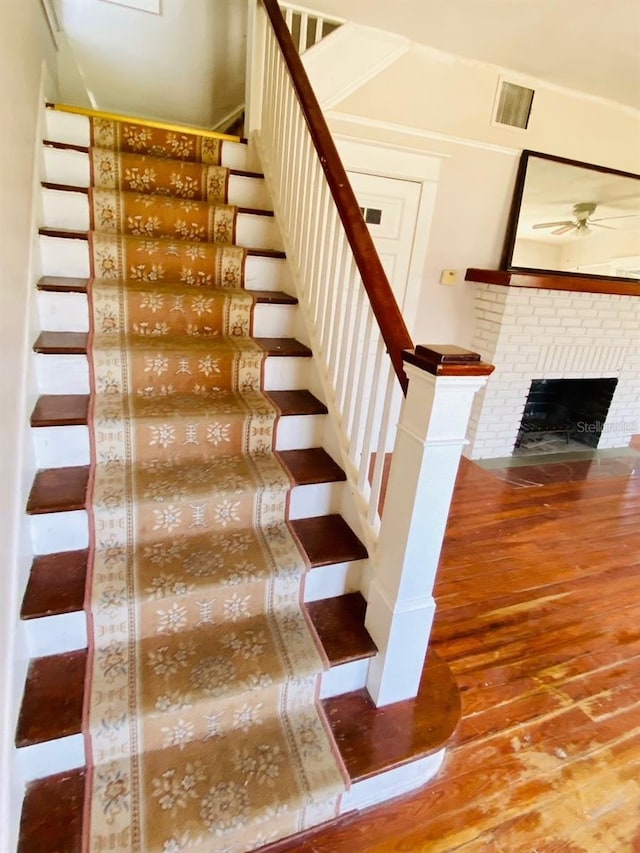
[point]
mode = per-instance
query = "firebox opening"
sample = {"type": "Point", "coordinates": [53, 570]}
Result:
{"type": "Point", "coordinates": [561, 414]}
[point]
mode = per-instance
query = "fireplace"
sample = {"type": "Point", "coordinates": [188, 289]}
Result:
{"type": "Point", "coordinates": [562, 413]}
{"type": "Point", "coordinates": [537, 328]}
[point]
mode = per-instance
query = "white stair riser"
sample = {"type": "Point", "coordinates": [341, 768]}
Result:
{"type": "Point", "coordinates": [65, 446]}
{"type": "Point", "coordinates": [66, 257]}
{"type": "Point", "coordinates": [69, 531]}
{"type": "Point", "coordinates": [52, 756]}
{"type": "Point", "coordinates": [333, 580]}
{"type": "Point", "coordinates": [59, 531]}
{"type": "Point", "coordinates": [70, 210]}
{"type": "Point", "coordinates": [71, 168]}
{"type": "Point", "coordinates": [69, 312]}
{"type": "Point", "coordinates": [74, 129]}
{"type": "Point", "coordinates": [52, 635]}
{"type": "Point", "coordinates": [69, 374]}
{"type": "Point", "coordinates": [392, 783]}
{"type": "Point", "coordinates": [344, 678]}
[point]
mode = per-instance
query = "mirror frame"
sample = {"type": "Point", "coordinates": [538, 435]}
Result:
{"type": "Point", "coordinates": [514, 217]}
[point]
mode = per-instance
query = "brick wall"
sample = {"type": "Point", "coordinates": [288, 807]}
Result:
{"type": "Point", "coordinates": [545, 334]}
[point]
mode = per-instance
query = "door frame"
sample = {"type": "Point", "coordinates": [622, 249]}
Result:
{"type": "Point", "coordinates": [384, 160]}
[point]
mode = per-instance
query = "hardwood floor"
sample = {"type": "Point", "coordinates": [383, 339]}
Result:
{"type": "Point", "coordinates": [539, 618]}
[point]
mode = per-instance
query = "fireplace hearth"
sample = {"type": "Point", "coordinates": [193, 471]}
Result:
{"type": "Point", "coordinates": [564, 412]}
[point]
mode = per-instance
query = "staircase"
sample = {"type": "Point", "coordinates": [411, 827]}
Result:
{"type": "Point", "coordinates": [52, 731]}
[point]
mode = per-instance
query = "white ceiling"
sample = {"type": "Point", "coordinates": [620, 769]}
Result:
{"type": "Point", "coordinates": [592, 46]}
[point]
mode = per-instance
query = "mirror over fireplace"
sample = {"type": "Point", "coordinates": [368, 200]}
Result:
{"type": "Point", "coordinates": [573, 218]}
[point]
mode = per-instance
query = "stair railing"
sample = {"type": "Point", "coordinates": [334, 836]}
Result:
{"type": "Point", "coordinates": [306, 27]}
{"type": "Point", "coordinates": [361, 344]}
{"type": "Point", "coordinates": [357, 331]}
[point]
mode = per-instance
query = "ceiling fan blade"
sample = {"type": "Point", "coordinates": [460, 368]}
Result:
{"type": "Point", "coordinates": [553, 224]}
{"type": "Point", "coordinates": [607, 218]}
{"type": "Point", "coordinates": [567, 226]}
{"type": "Point", "coordinates": [598, 225]}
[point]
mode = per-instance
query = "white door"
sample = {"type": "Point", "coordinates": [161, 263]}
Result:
{"type": "Point", "coordinates": [390, 209]}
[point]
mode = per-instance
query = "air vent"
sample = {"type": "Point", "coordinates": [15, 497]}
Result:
{"type": "Point", "coordinates": [514, 105]}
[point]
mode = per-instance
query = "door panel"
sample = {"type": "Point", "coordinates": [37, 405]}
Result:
{"type": "Point", "coordinates": [390, 209]}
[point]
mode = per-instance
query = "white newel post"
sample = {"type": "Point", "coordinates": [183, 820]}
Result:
{"type": "Point", "coordinates": [431, 434]}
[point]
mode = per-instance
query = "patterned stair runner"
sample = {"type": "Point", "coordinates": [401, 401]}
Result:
{"type": "Point", "coordinates": [203, 728]}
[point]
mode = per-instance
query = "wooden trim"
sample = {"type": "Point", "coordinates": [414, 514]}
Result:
{"type": "Point", "coordinates": [64, 188]}
{"type": "Point", "coordinates": [541, 280]}
{"type": "Point", "coordinates": [447, 360]}
{"type": "Point", "coordinates": [145, 122]}
{"type": "Point", "coordinates": [65, 146]}
{"type": "Point", "coordinates": [385, 308]}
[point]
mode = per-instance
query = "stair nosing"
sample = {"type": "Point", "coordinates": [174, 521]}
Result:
{"type": "Point", "coordinates": [325, 471]}
{"type": "Point", "coordinates": [72, 234]}
{"type": "Point", "coordinates": [75, 343]}
{"type": "Point", "coordinates": [79, 284]}
{"type": "Point", "coordinates": [74, 188]}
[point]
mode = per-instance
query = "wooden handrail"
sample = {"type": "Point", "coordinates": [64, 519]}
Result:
{"type": "Point", "coordinates": [383, 303]}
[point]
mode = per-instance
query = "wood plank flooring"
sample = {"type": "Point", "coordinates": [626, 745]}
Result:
{"type": "Point", "coordinates": [539, 618]}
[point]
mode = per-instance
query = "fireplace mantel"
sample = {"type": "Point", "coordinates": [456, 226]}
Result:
{"type": "Point", "coordinates": [542, 281]}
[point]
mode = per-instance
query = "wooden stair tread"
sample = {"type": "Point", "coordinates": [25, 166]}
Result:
{"type": "Point", "coordinates": [61, 343]}
{"type": "Point", "coordinates": [56, 584]}
{"type": "Point", "coordinates": [72, 409]}
{"type": "Point", "coordinates": [297, 402]}
{"type": "Point", "coordinates": [339, 623]}
{"type": "Point", "coordinates": [75, 343]}
{"type": "Point", "coordinates": [283, 346]}
{"type": "Point", "coordinates": [57, 581]}
{"type": "Point", "coordinates": [60, 410]}
{"type": "Point", "coordinates": [63, 233]}
{"type": "Point", "coordinates": [65, 188]}
{"type": "Point", "coordinates": [62, 284]}
{"type": "Point", "coordinates": [71, 234]}
{"type": "Point", "coordinates": [310, 466]}
{"type": "Point", "coordinates": [65, 146]}
{"type": "Point", "coordinates": [52, 811]}
{"type": "Point", "coordinates": [65, 489]}
{"type": "Point", "coordinates": [328, 539]}
{"type": "Point", "coordinates": [71, 188]}
{"type": "Point", "coordinates": [66, 284]}
{"type": "Point", "coordinates": [59, 490]}
{"type": "Point", "coordinates": [53, 698]}
{"type": "Point", "coordinates": [57, 682]}
{"type": "Point", "coordinates": [371, 740]}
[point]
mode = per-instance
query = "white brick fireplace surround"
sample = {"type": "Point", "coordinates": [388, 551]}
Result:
{"type": "Point", "coordinates": [531, 329]}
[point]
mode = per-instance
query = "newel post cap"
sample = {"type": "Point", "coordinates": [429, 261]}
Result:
{"type": "Point", "coordinates": [447, 360]}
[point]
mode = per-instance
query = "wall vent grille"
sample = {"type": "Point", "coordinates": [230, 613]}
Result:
{"type": "Point", "coordinates": [514, 105]}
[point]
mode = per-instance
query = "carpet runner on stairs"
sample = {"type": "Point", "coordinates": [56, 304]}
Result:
{"type": "Point", "coordinates": [204, 729]}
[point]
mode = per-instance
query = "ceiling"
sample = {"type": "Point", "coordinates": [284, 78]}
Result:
{"type": "Point", "coordinates": [588, 45]}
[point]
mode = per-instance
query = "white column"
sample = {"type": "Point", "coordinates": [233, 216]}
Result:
{"type": "Point", "coordinates": [429, 442]}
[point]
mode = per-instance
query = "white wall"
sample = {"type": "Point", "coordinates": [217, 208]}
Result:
{"type": "Point", "coordinates": [26, 49]}
{"type": "Point", "coordinates": [184, 65]}
{"type": "Point", "coordinates": [443, 104]}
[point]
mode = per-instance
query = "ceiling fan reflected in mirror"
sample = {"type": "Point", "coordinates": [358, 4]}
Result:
{"type": "Point", "coordinates": [582, 222]}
